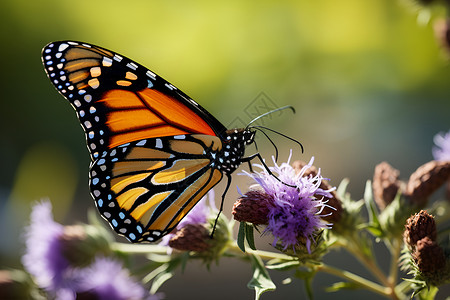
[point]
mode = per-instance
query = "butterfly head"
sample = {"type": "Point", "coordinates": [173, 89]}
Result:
{"type": "Point", "coordinates": [234, 142]}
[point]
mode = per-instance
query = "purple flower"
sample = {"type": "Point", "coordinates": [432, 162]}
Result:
{"type": "Point", "coordinates": [295, 212]}
{"type": "Point", "coordinates": [442, 149]}
{"type": "Point", "coordinates": [44, 260]}
{"type": "Point", "coordinates": [43, 257]}
{"type": "Point", "coordinates": [106, 279]}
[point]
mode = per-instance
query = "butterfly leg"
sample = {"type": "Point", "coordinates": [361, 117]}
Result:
{"type": "Point", "coordinates": [221, 203]}
{"type": "Point", "coordinates": [257, 155]}
{"type": "Point", "coordinates": [250, 167]}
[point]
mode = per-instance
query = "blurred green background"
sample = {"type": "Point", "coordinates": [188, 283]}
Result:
{"type": "Point", "coordinates": [369, 83]}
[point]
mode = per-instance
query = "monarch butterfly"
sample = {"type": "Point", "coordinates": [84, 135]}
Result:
{"type": "Point", "coordinates": [155, 152]}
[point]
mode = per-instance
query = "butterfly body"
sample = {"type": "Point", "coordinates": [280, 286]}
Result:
{"type": "Point", "coordinates": [155, 152]}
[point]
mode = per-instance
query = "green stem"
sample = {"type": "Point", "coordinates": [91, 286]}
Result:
{"type": "Point", "coordinates": [266, 255]}
{"type": "Point", "coordinates": [356, 279]}
{"type": "Point", "coordinates": [370, 263]}
{"type": "Point", "coordinates": [395, 254]}
{"type": "Point", "coordinates": [139, 248]}
{"type": "Point", "coordinates": [372, 286]}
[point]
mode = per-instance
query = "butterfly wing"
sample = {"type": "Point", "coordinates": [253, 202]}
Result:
{"type": "Point", "coordinates": [152, 146]}
{"type": "Point", "coordinates": [119, 101]}
{"type": "Point", "coordinates": [145, 188]}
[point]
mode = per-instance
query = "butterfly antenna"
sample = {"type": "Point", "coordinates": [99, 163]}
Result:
{"type": "Point", "coordinates": [270, 112]}
{"type": "Point", "coordinates": [273, 144]}
{"type": "Point", "coordinates": [279, 133]}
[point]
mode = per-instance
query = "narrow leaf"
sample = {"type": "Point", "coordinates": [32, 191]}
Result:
{"type": "Point", "coordinates": [261, 281]}
{"type": "Point", "coordinates": [159, 280]}
{"type": "Point", "coordinates": [343, 286]}
{"type": "Point", "coordinates": [249, 236]}
{"type": "Point", "coordinates": [241, 236]}
{"type": "Point", "coordinates": [282, 265]}
{"type": "Point", "coordinates": [370, 204]}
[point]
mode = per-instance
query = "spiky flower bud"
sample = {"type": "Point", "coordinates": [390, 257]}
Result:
{"type": "Point", "coordinates": [330, 215]}
{"type": "Point", "coordinates": [426, 180]}
{"type": "Point", "coordinates": [192, 237]}
{"type": "Point", "coordinates": [385, 184]}
{"type": "Point", "coordinates": [419, 226]}
{"type": "Point", "coordinates": [80, 244]}
{"type": "Point", "coordinates": [252, 208]}
{"type": "Point", "coordinates": [429, 257]}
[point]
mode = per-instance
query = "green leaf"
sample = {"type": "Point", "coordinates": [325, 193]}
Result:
{"type": "Point", "coordinates": [370, 206]}
{"type": "Point", "coordinates": [375, 230]}
{"type": "Point", "coordinates": [160, 279]}
{"type": "Point", "coordinates": [249, 236]}
{"type": "Point", "coordinates": [154, 273]}
{"type": "Point", "coordinates": [343, 286]}
{"type": "Point", "coordinates": [281, 264]}
{"type": "Point", "coordinates": [165, 272]}
{"type": "Point", "coordinates": [261, 281]}
{"type": "Point", "coordinates": [241, 236]}
{"type": "Point", "coordinates": [428, 294]}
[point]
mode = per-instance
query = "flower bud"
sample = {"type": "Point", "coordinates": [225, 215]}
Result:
{"type": "Point", "coordinates": [252, 208]}
{"type": "Point", "coordinates": [429, 257]}
{"type": "Point", "coordinates": [192, 237]}
{"type": "Point", "coordinates": [419, 226]}
{"type": "Point", "coordinates": [81, 243]}
{"type": "Point", "coordinates": [426, 180]}
{"type": "Point", "coordinates": [385, 184]}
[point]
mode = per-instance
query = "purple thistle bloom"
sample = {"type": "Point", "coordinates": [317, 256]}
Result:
{"type": "Point", "coordinates": [295, 211]}
{"type": "Point", "coordinates": [442, 149]}
{"type": "Point", "coordinates": [43, 258]}
{"type": "Point", "coordinates": [106, 279]}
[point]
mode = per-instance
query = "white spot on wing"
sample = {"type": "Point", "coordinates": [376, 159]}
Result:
{"type": "Point", "coordinates": [132, 66]}
{"type": "Point", "coordinates": [151, 74]}
{"type": "Point", "coordinates": [159, 144]}
{"type": "Point", "coordinates": [107, 62]}
{"type": "Point", "coordinates": [62, 47]}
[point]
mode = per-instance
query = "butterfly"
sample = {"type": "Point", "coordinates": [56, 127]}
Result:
{"type": "Point", "coordinates": [154, 151]}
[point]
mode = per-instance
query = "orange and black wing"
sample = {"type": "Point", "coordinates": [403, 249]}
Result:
{"type": "Point", "coordinates": [153, 148]}
{"type": "Point", "coordinates": [145, 188]}
{"type": "Point", "coordinates": [118, 100]}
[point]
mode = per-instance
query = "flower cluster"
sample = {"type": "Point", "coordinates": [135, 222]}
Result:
{"type": "Point", "coordinates": [54, 270]}
{"type": "Point", "coordinates": [305, 215]}
{"type": "Point", "coordinates": [293, 204]}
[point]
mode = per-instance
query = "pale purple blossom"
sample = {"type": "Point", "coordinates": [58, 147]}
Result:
{"type": "Point", "coordinates": [295, 211]}
{"type": "Point", "coordinates": [106, 279]}
{"type": "Point", "coordinates": [442, 149]}
{"type": "Point", "coordinates": [43, 257]}
{"type": "Point", "coordinates": [44, 260]}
